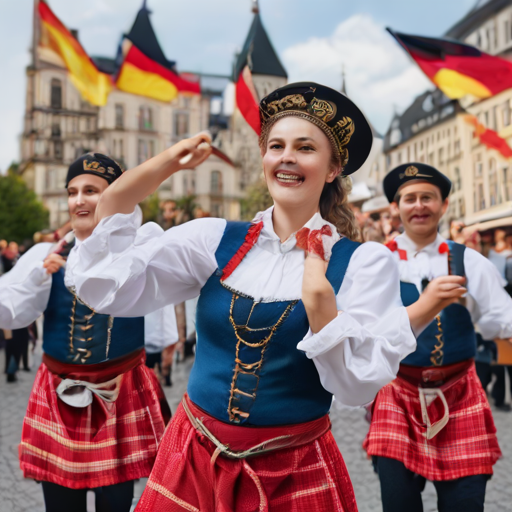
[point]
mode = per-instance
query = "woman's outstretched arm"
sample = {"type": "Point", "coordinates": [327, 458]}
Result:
{"type": "Point", "coordinates": [138, 183]}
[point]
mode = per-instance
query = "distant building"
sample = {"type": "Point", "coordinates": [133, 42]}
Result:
{"type": "Point", "coordinates": [433, 130]}
{"type": "Point", "coordinates": [59, 126]}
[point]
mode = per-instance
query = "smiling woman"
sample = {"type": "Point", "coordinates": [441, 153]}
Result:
{"type": "Point", "coordinates": [291, 312]}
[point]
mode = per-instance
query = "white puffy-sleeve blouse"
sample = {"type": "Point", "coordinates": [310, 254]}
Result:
{"type": "Point", "coordinates": [126, 270]}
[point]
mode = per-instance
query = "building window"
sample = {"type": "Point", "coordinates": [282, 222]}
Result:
{"type": "Point", "coordinates": [143, 151]}
{"type": "Point", "coordinates": [119, 116]}
{"type": "Point", "coordinates": [216, 209]}
{"type": "Point", "coordinates": [462, 207]}
{"type": "Point", "coordinates": [56, 130]}
{"type": "Point", "coordinates": [145, 118]}
{"type": "Point", "coordinates": [506, 114]}
{"type": "Point", "coordinates": [493, 183]}
{"type": "Point", "coordinates": [441, 156]}
{"type": "Point", "coordinates": [57, 150]}
{"type": "Point", "coordinates": [456, 147]}
{"type": "Point", "coordinates": [181, 124]}
{"type": "Point", "coordinates": [458, 182]}
{"type": "Point", "coordinates": [56, 94]}
{"type": "Point", "coordinates": [216, 183]}
{"type": "Point", "coordinates": [478, 167]}
{"type": "Point", "coordinates": [481, 197]}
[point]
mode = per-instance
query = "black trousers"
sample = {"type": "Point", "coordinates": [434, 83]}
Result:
{"type": "Point", "coordinates": [498, 390]}
{"type": "Point", "coordinates": [15, 349]}
{"type": "Point", "coordinates": [113, 498]}
{"type": "Point", "coordinates": [401, 490]}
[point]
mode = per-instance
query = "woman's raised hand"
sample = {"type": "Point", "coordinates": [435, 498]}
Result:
{"type": "Point", "coordinates": [189, 153]}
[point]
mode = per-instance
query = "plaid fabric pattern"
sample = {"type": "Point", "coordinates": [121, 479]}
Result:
{"type": "Point", "coordinates": [102, 444]}
{"type": "Point", "coordinates": [466, 446]}
{"type": "Point", "coordinates": [189, 476]}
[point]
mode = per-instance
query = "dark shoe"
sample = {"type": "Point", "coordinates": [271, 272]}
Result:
{"type": "Point", "coordinates": [11, 377]}
{"type": "Point", "coordinates": [27, 370]}
{"type": "Point", "coordinates": [504, 407]}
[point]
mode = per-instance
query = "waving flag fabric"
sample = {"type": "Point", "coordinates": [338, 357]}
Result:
{"type": "Point", "coordinates": [489, 138]}
{"type": "Point", "coordinates": [246, 99]}
{"type": "Point", "coordinates": [93, 85]}
{"type": "Point", "coordinates": [456, 68]}
{"type": "Point", "coordinates": [139, 74]}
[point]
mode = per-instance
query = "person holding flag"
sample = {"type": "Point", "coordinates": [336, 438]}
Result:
{"type": "Point", "coordinates": [96, 413]}
{"type": "Point", "coordinates": [433, 422]}
{"type": "Point", "coordinates": [291, 311]}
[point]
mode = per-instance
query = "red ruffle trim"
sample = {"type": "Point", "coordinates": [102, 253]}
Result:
{"type": "Point", "coordinates": [393, 247]}
{"type": "Point", "coordinates": [311, 240]}
{"type": "Point", "coordinates": [443, 248]}
{"type": "Point", "coordinates": [250, 240]}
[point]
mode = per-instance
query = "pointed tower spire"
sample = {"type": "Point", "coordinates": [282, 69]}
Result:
{"type": "Point", "coordinates": [343, 82]}
{"type": "Point", "coordinates": [144, 38]}
{"type": "Point", "coordinates": [258, 52]}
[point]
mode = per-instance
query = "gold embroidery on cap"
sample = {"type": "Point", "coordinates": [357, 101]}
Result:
{"type": "Point", "coordinates": [96, 167]}
{"type": "Point", "coordinates": [412, 172]}
{"type": "Point", "coordinates": [323, 109]}
{"type": "Point", "coordinates": [291, 101]}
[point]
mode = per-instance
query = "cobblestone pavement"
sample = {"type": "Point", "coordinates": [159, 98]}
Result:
{"type": "Point", "coordinates": [349, 428]}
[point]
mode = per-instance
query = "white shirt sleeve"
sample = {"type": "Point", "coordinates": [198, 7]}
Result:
{"type": "Point", "coordinates": [126, 270]}
{"type": "Point", "coordinates": [491, 307]}
{"type": "Point", "coordinates": [360, 350]}
{"type": "Point", "coordinates": [24, 291]}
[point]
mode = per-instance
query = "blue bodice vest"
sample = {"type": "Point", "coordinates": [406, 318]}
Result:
{"type": "Point", "coordinates": [450, 338]}
{"type": "Point", "coordinates": [248, 369]}
{"type": "Point", "coordinates": [75, 334]}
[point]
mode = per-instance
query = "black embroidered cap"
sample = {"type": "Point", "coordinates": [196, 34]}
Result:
{"type": "Point", "coordinates": [336, 115]}
{"type": "Point", "coordinates": [415, 172]}
{"type": "Point", "coordinates": [96, 164]}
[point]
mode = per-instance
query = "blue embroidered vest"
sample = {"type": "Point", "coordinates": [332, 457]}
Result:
{"type": "Point", "coordinates": [75, 334]}
{"type": "Point", "coordinates": [450, 338]}
{"type": "Point", "coordinates": [248, 369]}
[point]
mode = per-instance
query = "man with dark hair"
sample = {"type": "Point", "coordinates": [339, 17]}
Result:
{"type": "Point", "coordinates": [433, 422]}
{"type": "Point", "coordinates": [96, 413]}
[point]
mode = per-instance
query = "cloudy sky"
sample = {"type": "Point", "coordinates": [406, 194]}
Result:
{"type": "Point", "coordinates": [314, 38]}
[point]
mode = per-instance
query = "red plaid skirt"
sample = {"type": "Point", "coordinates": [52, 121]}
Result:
{"type": "Point", "coordinates": [98, 445]}
{"type": "Point", "coordinates": [188, 474]}
{"type": "Point", "coordinates": [466, 446]}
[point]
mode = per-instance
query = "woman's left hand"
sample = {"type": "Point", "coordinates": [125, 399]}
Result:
{"type": "Point", "coordinates": [317, 294]}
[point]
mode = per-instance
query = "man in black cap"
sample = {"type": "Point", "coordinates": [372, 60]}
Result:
{"type": "Point", "coordinates": [433, 422]}
{"type": "Point", "coordinates": [96, 413]}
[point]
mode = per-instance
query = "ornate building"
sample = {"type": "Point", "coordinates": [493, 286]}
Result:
{"type": "Point", "coordinates": [433, 129]}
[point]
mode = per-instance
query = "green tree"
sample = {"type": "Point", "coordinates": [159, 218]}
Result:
{"type": "Point", "coordinates": [257, 200]}
{"type": "Point", "coordinates": [21, 213]}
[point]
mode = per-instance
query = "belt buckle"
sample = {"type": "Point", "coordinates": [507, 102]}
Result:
{"type": "Point", "coordinates": [432, 375]}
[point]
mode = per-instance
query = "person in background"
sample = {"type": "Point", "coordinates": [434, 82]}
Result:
{"type": "Point", "coordinates": [10, 256]}
{"type": "Point", "coordinates": [161, 337]}
{"type": "Point", "coordinates": [96, 413]}
{"type": "Point", "coordinates": [433, 422]}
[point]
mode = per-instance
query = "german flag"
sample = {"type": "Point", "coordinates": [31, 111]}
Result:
{"type": "Point", "coordinates": [489, 138]}
{"type": "Point", "coordinates": [145, 69]}
{"type": "Point", "coordinates": [456, 68]}
{"type": "Point", "coordinates": [93, 85]}
{"type": "Point", "coordinates": [139, 74]}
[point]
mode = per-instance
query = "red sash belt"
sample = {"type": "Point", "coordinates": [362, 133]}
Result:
{"type": "Point", "coordinates": [95, 373]}
{"type": "Point", "coordinates": [434, 377]}
{"type": "Point", "coordinates": [241, 442]}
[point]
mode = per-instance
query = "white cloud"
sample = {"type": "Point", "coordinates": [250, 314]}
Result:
{"type": "Point", "coordinates": [378, 72]}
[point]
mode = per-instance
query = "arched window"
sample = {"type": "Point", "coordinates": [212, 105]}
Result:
{"type": "Point", "coordinates": [56, 94]}
{"type": "Point", "coordinates": [216, 183]}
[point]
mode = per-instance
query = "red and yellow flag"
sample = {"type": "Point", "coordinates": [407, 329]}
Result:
{"type": "Point", "coordinates": [139, 74]}
{"type": "Point", "coordinates": [489, 138]}
{"type": "Point", "coordinates": [246, 99]}
{"type": "Point", "coordinates": [93, 85]}
{"type": "Point", "coordinates": [456, 68]}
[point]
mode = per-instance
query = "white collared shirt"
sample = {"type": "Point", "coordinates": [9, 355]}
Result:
{"type": "Point", "coordinates": [124, 269]}
{"type": "Point", "coordinates": [489, 304]}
